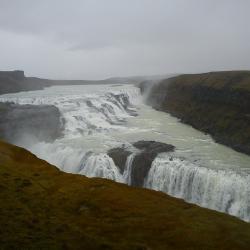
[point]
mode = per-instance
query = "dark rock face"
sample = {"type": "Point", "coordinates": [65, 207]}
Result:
{"type": "Point", "coordinates": [18, 122]}
{"type": "Point", "coordinates": [142, 161]}
{"type": "Point", "coordinates": [15, 81]}
{"type": "Point", "coordinates": [16, 74]}
{"type": "Point", "coordinates": [119, 156]}
{"type": "Point", "coordinates": [216, 103]}
{"type": "Point", "coordinates": [153, 148]}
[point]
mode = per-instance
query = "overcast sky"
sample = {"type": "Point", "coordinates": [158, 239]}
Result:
{"type": "Point", "coordinates": [94, 39]}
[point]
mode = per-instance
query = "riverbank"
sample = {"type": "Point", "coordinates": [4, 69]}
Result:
{"type": "Point", "coordinates": [216, 103]}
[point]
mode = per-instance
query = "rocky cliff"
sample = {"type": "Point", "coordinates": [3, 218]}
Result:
{"type": "Point", "coordinates": [217, 103]}
{"type": "Point", "coordinates": [15, 81]}
{"type": "Point", "coordinates": [29, 123]}
{"type": "Point", "coordinates": [142, 161]}
{"type": "Point", "coordinates": [44, 208]}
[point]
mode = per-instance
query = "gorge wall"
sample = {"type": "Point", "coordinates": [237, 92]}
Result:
{"type": "Point", "coordinates": [16, 81]}
{"type": "Point", "coordinates": [29, 123]}
{"type": "Point", "coordinates": [217, 103]}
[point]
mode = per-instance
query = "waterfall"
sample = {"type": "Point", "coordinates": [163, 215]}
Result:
{"type": "Point", "coordinates": [99, 118]}
{"type": "Point", "coordinates": [86, 113]}
{"type": "Point", "coordinates": [128, 168]}
{"type": "Point", "coordinates": [100, 165]}
{"type": "Point", "coordinates": [95, 114]}
{"type": "Point", "coordinates": [225, 191]}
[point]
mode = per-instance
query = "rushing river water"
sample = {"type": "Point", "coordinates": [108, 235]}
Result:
{"type": "Point", "coordinates": [101, 117]}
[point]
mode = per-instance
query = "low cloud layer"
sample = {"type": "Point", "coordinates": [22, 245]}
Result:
{"type": "Point", "coordinates": [94, 39]}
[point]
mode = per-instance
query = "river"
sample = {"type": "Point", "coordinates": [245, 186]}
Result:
{"type": "Point", "coordinates": [100, 117]}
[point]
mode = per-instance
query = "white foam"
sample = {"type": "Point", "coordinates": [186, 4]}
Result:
{"type": "Point", "coordinates": [95, 120]}
{"type": "Point", "coordinates": [221, 190]}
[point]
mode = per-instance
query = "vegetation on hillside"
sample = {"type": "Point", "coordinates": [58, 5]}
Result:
{"type": "Point", "coordinates": [44, 208]}
{"type": "Point", "coordinates": [217, 103]}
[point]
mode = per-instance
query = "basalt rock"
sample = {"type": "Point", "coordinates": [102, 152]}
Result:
{"type": "Point", "coordinates": [16, 81]}
{"type": "Point", "coordinates": [143, 160]}
{"type": "Point", "coordinates": [119, 156]}
{"type": "Point", "coordinates": [29, 122]}
{"type": "Point", "coordinates": [147, 151]}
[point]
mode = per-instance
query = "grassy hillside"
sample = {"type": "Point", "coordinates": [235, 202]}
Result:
{"type": "Point", "coordinates": [43, 208]}
{"type": "Point", "coordinates": [217, 103]}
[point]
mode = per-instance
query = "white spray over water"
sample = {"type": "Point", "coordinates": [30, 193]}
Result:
{"type": "Point", "coordinates": [99, 165]}
{"type": "Point", "coordinates": [98, 118]}
{"type": "Point", "coordinates": [128, 169]}
{"type": "Point", "coordinates": [86, 113]}
{"type": "Point", "coordinates": [221, 190]}
{"type": "Point", "coordinates": [89, 118]}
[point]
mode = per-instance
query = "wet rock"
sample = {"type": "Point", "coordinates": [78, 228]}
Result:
{"type": "Point", "coordinates": [141, 165]}
{"type": "Point", "coordinates": [143, 160]}
{"type": "Point", "coordinates": [153, 147]}
{"type": "Point", "coordinates": [23, 122]}
{"type": "Point", "coordinates": [119, 156]}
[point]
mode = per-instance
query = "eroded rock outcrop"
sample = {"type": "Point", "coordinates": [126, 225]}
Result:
{"type": "Point", "coordinates": [29, 122]}
{"type": "Point", "coordinates": [119, 156]}
{"type": "Point", "coordinates": [147, 151]}
{"type": "Point", "coordinates": [16, 81]}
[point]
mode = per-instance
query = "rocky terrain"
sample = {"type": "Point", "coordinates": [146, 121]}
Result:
{"type": "Point", "coordinates": [147, 151]}
{"type": "Point", "coordinates": [44, 208]}
{"type": "Point", "coordinates": [217, 103]}
{"type": "Point", "coordinates": [15, 81]}
{"type": "Point", "coordinates": [29, 122]}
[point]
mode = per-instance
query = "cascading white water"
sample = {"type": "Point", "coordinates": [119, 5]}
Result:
{"type": "Point", "coordinates": [85, 113]}
{"type": "Point", "coordinates": [128, 168]}
{"type": "Point", "coordinates": [89, 115]}
{"type": "Point", "coordinates": [221, 190]}
{"type": "Point", "coordinates": [99, 165]}
{"type": "Point", "coordinates": [98, 118]}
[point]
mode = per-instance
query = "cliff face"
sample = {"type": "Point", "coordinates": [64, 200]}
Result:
{"type": "Point", "coordinates": [15, 75]}
{"type": "Point", "coordinates": [44, 208]}
{"type": "Point", "coordinates": [217, 103]}
{"type": "Point", "coordinates": [29, 122]}
{"type": "Point", "coordinates": [15, 81]}
{"type": "Point", "coordinates": [142, 161]}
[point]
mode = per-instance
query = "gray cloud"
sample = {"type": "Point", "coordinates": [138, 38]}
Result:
{"type": "Point", "coordinates": [98, 39]}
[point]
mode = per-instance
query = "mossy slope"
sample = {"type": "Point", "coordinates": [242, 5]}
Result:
{"type": "Point", "coordinates": [217, 103]}
{"type": "Point", "coordinates": [44, 208]}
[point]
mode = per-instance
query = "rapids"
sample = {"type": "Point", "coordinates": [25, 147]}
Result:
{"type": "Point", "coordinates": [100, 117]}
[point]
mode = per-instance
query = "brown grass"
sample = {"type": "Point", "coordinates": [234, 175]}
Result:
{"type": "Point", "coordinates": [43, 208]}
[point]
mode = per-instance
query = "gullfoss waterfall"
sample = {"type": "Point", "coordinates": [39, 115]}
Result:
{"type": "Point", "coordinates": [98, 118]}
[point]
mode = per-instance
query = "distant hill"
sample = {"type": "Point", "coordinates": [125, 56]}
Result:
{"type": "Point", "coordinates": [16, 81]}
{"type": "Point", "coordinates": [44, 208]}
